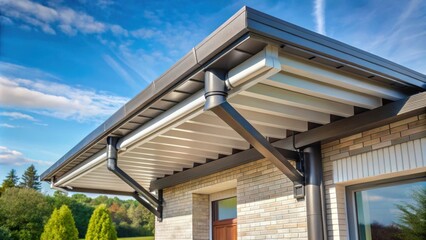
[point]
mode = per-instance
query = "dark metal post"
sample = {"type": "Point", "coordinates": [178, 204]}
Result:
{"type": "Point", "coordinates": [313, 184]}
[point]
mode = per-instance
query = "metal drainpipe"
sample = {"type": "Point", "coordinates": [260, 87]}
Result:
{"type": "Point", "coordinates": [156, 204]}
{"type": "Point", "coordinates": [215, 87]}
{"type": "Point", "coordinates": [314, 197]}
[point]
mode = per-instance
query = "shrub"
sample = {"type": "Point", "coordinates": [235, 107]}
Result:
{"type": "Point", "coordinates": [61, 226]}
{"type": "Point", "coordinates": [100, 225]}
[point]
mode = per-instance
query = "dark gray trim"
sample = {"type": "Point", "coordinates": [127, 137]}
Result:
{"type": "Point", "coordinates": [380, 116]}
{"type": "Point", "coordinates": [234, 31]}
{"type": "Point", "coordinates": [215, 166]}
{"type": "Point", "coordinates": [341, 128]}
{"type": "Point", "coordinates": [350, 198]}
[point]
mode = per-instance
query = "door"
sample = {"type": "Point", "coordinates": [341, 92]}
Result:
{"type": "Point", "coordinates": [224, 219]}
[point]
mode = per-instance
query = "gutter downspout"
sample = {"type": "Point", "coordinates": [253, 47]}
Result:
{"type": "Point", "coordinates": [153, 204]}
{"type": "Point", "coordinates": [315, 200]}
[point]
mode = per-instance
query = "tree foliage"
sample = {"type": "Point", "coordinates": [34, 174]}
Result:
{"type": "Point", "coordinates": [10, 181]}
{"type": "Point", "coordinates": [79, 206]}
{"type": "Point", "coordinates": [413, 217]}
{"type": "Point", "coordinates": [30, 179]}
{"type": "Point", "coordinates": [23, 213]}
{"type": "Point", "coordinates": [100, 225]}
{"type": "Point", "coordinates": [61, 226]}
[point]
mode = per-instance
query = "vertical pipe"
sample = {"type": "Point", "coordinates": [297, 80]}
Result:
{"type": "Point", "coordinates": [313, 179]}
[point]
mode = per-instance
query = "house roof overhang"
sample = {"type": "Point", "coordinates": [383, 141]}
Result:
{"type": "Point", "coordinates": [287, 78]}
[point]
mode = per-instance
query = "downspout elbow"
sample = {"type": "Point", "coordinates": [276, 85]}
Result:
{"type": "Point", "coordinates": [215, 88]}
{"type": "Point", "coordinates": [112, 153]}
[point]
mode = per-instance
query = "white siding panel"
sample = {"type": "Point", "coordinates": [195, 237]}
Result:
{"type": "Point", "coordinates": [418, 152]}
{"type": "Point", "coordinates": [398, 158]}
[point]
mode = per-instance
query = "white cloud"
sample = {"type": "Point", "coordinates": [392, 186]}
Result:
{"type": "Point", "coordinates": [319, 9]}
{"type": "Point", "coordinates": [30, 89]}
{"type": "Point", "coordinates": [49, 18]}
{"type": "Point", "coordinates": [57, 100]}
{"type": "Point", "coordinates": [12, 157]}
{"type": "Point", "coordinates": [6, 125]}
{"type": "Point", "coordinates": [17, 115]}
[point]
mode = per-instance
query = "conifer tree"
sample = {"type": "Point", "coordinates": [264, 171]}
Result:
{"type": "Point", "coordinates": [100, 225]}
{"type": "Point", "coordinates": [10, 181]}
{"type": "Point", "coordinates": [30, 179]}
{"type": "Point", "coordinates": [61, 226]}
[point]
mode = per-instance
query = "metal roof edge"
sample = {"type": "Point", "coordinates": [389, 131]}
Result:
{"type": "Point", "coordinates": [278, 29]}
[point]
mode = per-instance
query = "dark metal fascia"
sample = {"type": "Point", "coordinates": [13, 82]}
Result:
{"type": "Point", "coordinates": [149, 201]}
{"type": "Point", "coordinates": [284, 32]}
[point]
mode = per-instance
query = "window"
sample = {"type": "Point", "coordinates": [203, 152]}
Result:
{"type": "Point", "coordinates": [391, 211]}
{"type": "Point", "coordinates": [225, 209]}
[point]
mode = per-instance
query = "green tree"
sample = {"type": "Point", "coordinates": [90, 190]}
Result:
{"type": "Point", "coordinates": [23, 213]}
{"type": "Point", "coordinates": [30, 179]}
{"type": "Point", "coordinates": [61, 226]}
{"type": "Point", "coordinates": [100, 225]}
{"type": "Point", "coordinates": [413, 217]}
{"type": "Point", "coordinates": [81, 211]}
{"type": "Point", "coordinates": [10, 181]}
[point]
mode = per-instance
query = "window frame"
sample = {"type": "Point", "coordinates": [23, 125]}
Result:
{"type": "Point", "coordinates": [352, 219]}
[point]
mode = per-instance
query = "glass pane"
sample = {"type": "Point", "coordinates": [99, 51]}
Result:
{"type": "Point", "coordinates": [227, 208]}
{"type": "Point", "coordinates": [392, 212]}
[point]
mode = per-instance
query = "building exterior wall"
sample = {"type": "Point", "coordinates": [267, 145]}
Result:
{"type": "Point", "coordinates": [344, 163]}
{"type": "Point", "coordinates": [266, 206]}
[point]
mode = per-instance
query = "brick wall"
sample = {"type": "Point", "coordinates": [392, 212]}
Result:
{"type": "Point", "coordinates": [409, 129]}
{"type": "Point", "coordinates": [266, 206]}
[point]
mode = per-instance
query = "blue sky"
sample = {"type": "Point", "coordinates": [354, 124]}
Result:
{"type": "Point", "coordinates": [65, 66]}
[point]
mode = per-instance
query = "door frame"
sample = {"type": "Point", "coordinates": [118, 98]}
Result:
{"type": "Point", "coordinates": [229, 193]}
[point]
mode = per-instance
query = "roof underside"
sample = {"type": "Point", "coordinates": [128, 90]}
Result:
{"type": "Point", "coordinates": [311, 89]}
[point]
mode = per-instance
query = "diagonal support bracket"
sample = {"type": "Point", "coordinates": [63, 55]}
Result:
{"type": "Point", "coordinates": [237, 122]}
{"type": "Point", "coordinates": [141, 195]}
{"type": "Point", "coordinates": [216, 92]}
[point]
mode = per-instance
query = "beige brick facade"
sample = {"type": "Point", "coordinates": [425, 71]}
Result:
{"type": "Point", "coordinates": [406, 130]}
{"type": "Point", "coordinates": [266, 206]}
